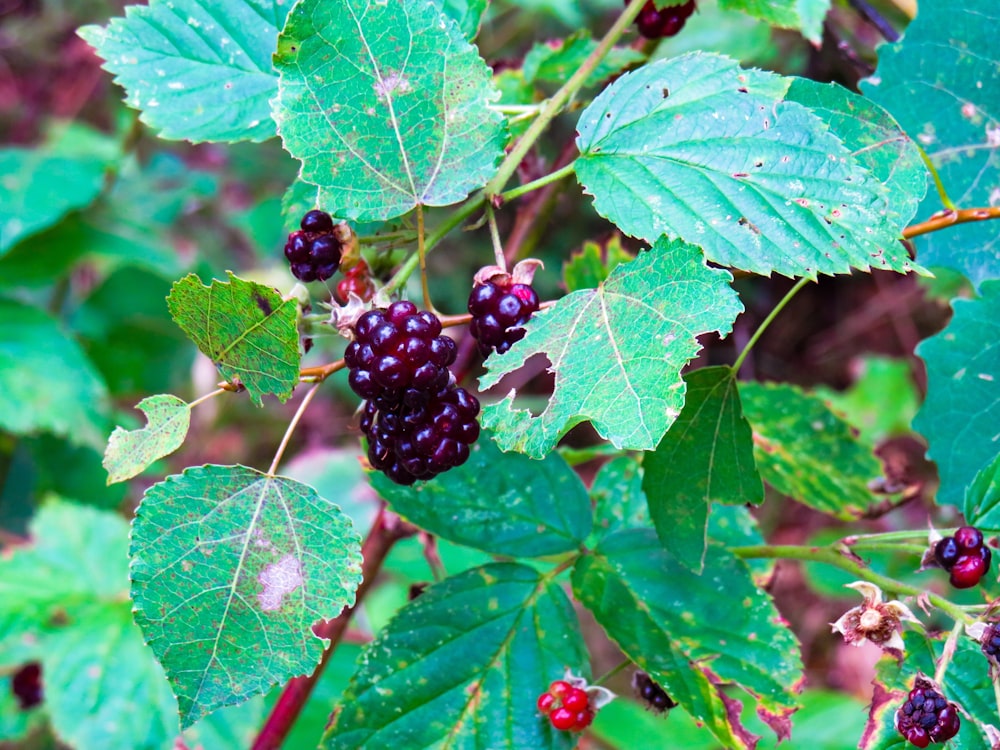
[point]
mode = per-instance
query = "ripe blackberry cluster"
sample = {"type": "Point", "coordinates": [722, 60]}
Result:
{"type": "Point", "coordinates": [990, 643]}
{"type": "Point", "coordinates": [357, 279]}
{"type": "Point", "coordinates": [650, 693]}
{"type": "Point", "coordinates": [498, 312]}
{"type": "Point", "coordinates": [926, 716]}
{"type": "Point", "coordinates": [418, 422]}
{"type": "Point", "coordinates": [965, 556]}
{"type": "Point", "coordinates": [314, 252]}
{"type": "Point", "coordinates": [567, 707]}
{"type": "Point", "coordinates": [659, 24]}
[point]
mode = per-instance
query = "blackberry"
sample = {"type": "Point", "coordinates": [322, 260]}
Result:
{"type": "Point", "coordinates": [314, 252]}
{"type": "Point", "coordinates": [654, 696]}
{"type": "Point", "coordinates": [26, 685]}
{"type": "Point", "coordinates": [965, 556]}
{"type": "Point", "coordinates": [968, 538]}
{"type": "Point", "coordinates": [946, 552]}
{"type": "Point", "coordinates": [926, 716]}
{"type": "Point", "coordinates": [654, 23]}
{"type": "Point", "coordinates": [968, 569]}
{"type": "Point", "coordinates": [498, 312]}
{"type": "Point", "coordinates": [990, 643]}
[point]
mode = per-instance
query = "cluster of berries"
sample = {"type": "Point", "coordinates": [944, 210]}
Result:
{"type": "Point", "coordinates": [418, 422]}
{"type": "Point", "coordinates": [658, 24]}
{"type": "Point", "coordinates": [650, 693]}
{"type": "Point", "coordinates": [990, 643]}
{"type": "Point", "coordinates": [314, 252]}
{"type": "Point", "coordinates": [965, 556]}
{"type": "Point", "coordinates": [498, 312]}
{"type": "Point", "coordinates": [567, 707]}
{"type": "Point", "coordinates": [926, 716]}
{"type": "Point", "coordinates": [357, 280]}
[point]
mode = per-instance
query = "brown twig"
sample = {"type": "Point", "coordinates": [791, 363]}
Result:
{"type": "Point", "coordinates": [949, 217]}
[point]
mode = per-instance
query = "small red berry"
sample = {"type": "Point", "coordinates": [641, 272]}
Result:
{"type": "Point", "coordinates": [583, 720]}
{"type": "Point", "coordinates": [545, 701]}
{"type": "Point", "coordinates": [559, 688]}
{"type": "Point", "coordinates": [968, 570]}
{"type": "Point", "coordinates": [969, 538]}
{"type": "Point", "coordinates": [563, 719]}
{"type": "Point", "coordinates": [576, 700]}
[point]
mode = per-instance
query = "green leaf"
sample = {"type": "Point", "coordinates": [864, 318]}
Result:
{"type": "Point", "coordinates": [197, 71]}
{"type": "Point", "coordinates": [619, 502]}
{"type": "Point", "coordinates": [617, 351]}
{"type": "Point", "coordinates": [685, 631]}
{"type": "Point", "coordinates": [40, 185]}
{"type": "Point", "coordinates": [503, 503]}
{"type": "Point", "coordinates": [695, 147]}
{"type": "Point", "coordinates": [706, 456]}
{"type": "Point", "coordinates": [222, 551]}
{"type": "Point", "coordinates": [807, 452]}
{"type": "Point", "coordinates": [594, 263]}
{"type": "Point", "coordinates": [982, 499]}
{"type": "Point", "coordinates": [386, 105]}
{"type": "Point", "coordinates": [46, 381]}
{"type": "Point", "coordinates": [245, 328]}
{"type": "Point", "coordinates": [461, 666]}
{"type": "Point", "coordinates": [874, 139]}
{"type": "Point", "coordinates": [68, 593]}
{"type": "Point", "coordinates": [131, 451]}
{"type": "Point", "coordinates": [803, 15]}
{"type": "Point", "coordinates": [960, 414]}
{"type": "Point", "coordinates": [555, 62]}
{"type": "Point", "coordinates": [940, 82]}
{"type": "Point", "coordinates": [468, 14]}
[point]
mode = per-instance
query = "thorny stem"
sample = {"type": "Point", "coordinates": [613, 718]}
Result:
{"type": "Point", "coordinates": [948, 651]}
{"type": "Point", "coordinates": [559, 100]}
{"type": "Point", "coordinates": [291, 428]}
{"type": "Point", "coordinates": [491, 220]}
{"type": "Point", "coordinates": [942, 193]}
{"type": "Point", "coordinates": [767, 321]}
{"type": "Point", "coordinates": [837, 559]}
{"type": "Point", "coordinates": [386, 531]}
{"type": "Point", "coordinates": [949, 217]}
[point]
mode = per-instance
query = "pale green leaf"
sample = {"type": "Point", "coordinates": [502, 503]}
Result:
{"type": "Point", "coordinates": [386, 105]}
{"type": "Point", "coordinates": [467, 13]}
{"type": "Point", "coordinates": [807, 452]}
{"type": "Point", "coordinates": [941, 83]}
{"type": "Point", "coordinates": [617, 351]}
{"type": "Point", "coordinates": [555, 62]}
{"type": "Point", "coordinates": [960, 414]}
{"type": "Point", "coordinates": [802, 15]}
{"type": "Point", "coordinates": [504, 503]}
{"type": "Point", "coordinates": [982, 500]}
{"type": "Point", "coordinates": [129, 452]}
{"type": "Point", "coordinates": [220, 552]}
{"type": "Point", "coordinates": [705, 457]}
{"type": "Point", "coordinates": [696, 148]}
{"type": "Point", "coordinates": [46, 381]}
{"type": "Point", "coordinates": [461, 666]}
{"type": "Point", "coordinates": [197, 71]}
{"type": "Point", "coordinates": [248, 331]}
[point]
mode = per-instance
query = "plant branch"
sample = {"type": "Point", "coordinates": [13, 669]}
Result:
{"type": "Point", "coordinates": [539, 183]}
{"type": "Point", "coordinates": [206, 397]}
{"type": "Point", "coordinates": [491, 220]}
{"type": "Point", "coordinates": [948, 651]}
{"type": "Point", "coordinates": [767, 321]}
{"type": "Point", "coordinates": [555, 104]}
{"type": "Point", "coordinates": [872, 16]}
{"type": "Point", "coordinates": [422, 255]}
{"type": "Point", "coordinates": [386, 531]}
{"type": "Point", "coordinates": [291, 428]}
{"type": "Point", "coordinates": [950, 217]}
{"type": "Point", "coordinates": [942, 193]}
{"type": "Point", "coordinates": [321, 372]}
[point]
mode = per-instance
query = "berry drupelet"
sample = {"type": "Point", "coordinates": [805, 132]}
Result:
{"type": "Point", "coordinates": [965, 556]}
{"type": "Point", "coordinates": [313, 253]}
{"type": "Point", "coordinates": [927, 716]}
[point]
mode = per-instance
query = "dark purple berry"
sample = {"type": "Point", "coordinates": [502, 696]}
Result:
{"type": "Point", "coordinates": [498, 314]}
{"type": "Point", "coordinates": [314, 252]}
{"type": "Point", "coordinates": [26, 685]}
{"type": "Point", "coordinates": [654, 23]}
{"type": "Point", "coordinates": [969, 538]}
{"type": "Point", "coordinates": [316, 221]}
{"type": "Point", "coordinates": [927, 716]}
{"type": "Point", "coordinates": [946, 552]}
{"type": "Point", "coordinates": [297, 248]}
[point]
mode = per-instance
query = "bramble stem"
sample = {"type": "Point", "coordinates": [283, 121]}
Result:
{"type": "Point", "coordinates": [555, 104]}
{"type": "Point", "coordinates": [206, 397]}
{"type": "Point", "coordinates": [491, 220]}
{"type": "Point", "coordinates": [948, 651]}
{"type": "Point", "coordinates": [422, 253]}
{"type": "Point", "coordinates": [767, 321]}
{"type": "Point", "coordinates": [291, 428]}
{"type": "Point", "coordinates": [949, 217]}
{"type": "Point", "coordinates": [321, 372]}
{"type": "Point", "coordinates": [539, 183]}
{"type": "Point", "coordinates": [385, 532]}
{"type": "Point", "coordinates": [942, 193]}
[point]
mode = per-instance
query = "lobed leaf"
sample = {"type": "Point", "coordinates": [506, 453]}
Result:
{"type": "Point", "coordinates": [230, 570]}
{"type": "Point", "coordinates": [706, 456]}
{"type": "Point", "coordinates": [617, 351]}
{"type": "Point", "coordinates": [129, 452]}
{"type": "Point", "coordinates": [696, 148]}
{"type": "Point", "coordinates": [940, 83]}
{"type": "Point", "coordinates": [961, 411]}
{"type": "Point", "coordinates": [461, 667]}
{"type": "Point", "coordinates": [807, 452]}
{"type": "Point", "coordinates": [386, 105]}
{"type": "Point", "coordinates": [498, 502]}
{"type": "Point", "coordinates": [618, 499]}
{"type": "Point", "coordinates": [199, 71]}
{"type": "Point", "coordinates": [248, 331]}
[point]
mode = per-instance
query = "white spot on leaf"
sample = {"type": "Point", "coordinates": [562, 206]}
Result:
{"type": "Point", "coordinates": [279, 579]}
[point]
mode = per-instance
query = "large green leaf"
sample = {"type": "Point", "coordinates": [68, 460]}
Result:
{"type": "Point", "coordinates": [959, 417]}
{"type": "Point", "coordinates": [807, 452]}
{"type": "Point", "coordinates": [982, 500]}
{"type": "Point", "coordinates": [46, 381]}
{"type": "Point", "coordinates": [706, 456]}
{"type": "Point", "coordinates": [245, 328]}
{"type": "Point", "coordinates": [131, 451]}
{"type": "Point", "coordinates": [386, 104]}
{"type": "Point", "coordinates": [199, 71]}
{"type": "Point", "coordinates": [695, 147]}
{"type": "Point", "coordinates": [940, 82]}
{"type": "Point", "coordinates": [617, 351]}
{"type": "Point", "coordinates": [503, 503]}
{"type": "Point", "coordinates": [804, 15]}
{"type": "Point", "coordinates": [461, 667]}
{"type": "Point", "coordinates": [619, 502]}
{"type": "Point", "coordinates": [685, 631]}
{"type": "Point", "coordinates": [230, 570]}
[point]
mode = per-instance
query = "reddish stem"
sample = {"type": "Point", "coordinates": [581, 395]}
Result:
{"type": "Point", "coordinates": [949, 217]}
{"type": "Point", "coordinates": [386, 531]}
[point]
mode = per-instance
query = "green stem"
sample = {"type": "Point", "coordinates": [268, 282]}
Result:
{"type": "Point", "coordinates": [887, 536]}
{"type": "Point", "coordinates": [559, 100]}
{"type": "Point", "coordinates": [942, 194]}
{"type": "Point", "coordinates": [539, 183]}
{"type": "Point", "coordinates": [834, 558]}
{"type": "Point", "coordinates": [206, 397]}
{"type": "Point", "coordinates": [948, 651]}
{"type": "Point", "coordinates": [767, 321]}
{"type": "Point", "coordinates": [498, 255]}
{"type": "Point", "coordinates": [895, 547]}
{"type": "Point", "coordinates": [611, 672]}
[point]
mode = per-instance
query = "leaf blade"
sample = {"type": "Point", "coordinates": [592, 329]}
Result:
{"type": "Point", "coordinates": [129, 452]}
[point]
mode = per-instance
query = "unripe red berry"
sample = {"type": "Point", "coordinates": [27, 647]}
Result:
{"type": "Point", "coordinates": [576, 700]}
{"type": "Point", "coordinates": [563, 719]}
{"type": "Point", "coordinates": [545, 701]}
